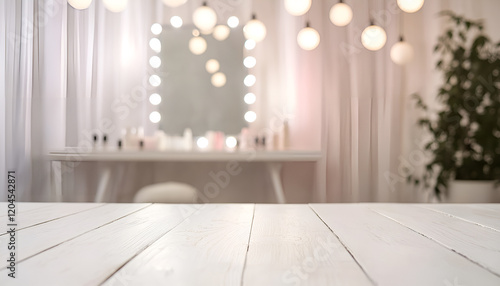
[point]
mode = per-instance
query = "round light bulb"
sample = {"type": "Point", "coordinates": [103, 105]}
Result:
{"type": "Point", "coordinates": [341, 14]}
{"type": "Point", "coordinates": [221, 32]}
{"type": "Point", "coordinates": [249, 62]}
{"type": "Point", "coordinates": [155, 117]}
{"type": "Point", "coordinates": [250, 116]}
{"type": "Point", "coordinates": [231, 142]}
{"type": "Point", "coordinates": [373, 38]}
{"type": "Point", "coordinates": [155, 99]}
{"type": "Point", "coordinates": [155, 80]}
{"type": "Point", "coordinates": [255, 30]}
{"type": "Point", "coordinates": [176, 21]}
{"type": "Point", "coordinates": [410, 6]}
{"type": "Point", "coordinates": [249, 80]}
{"type": "Point", "coordinates": [250, 98]}
{"type": "Point", "coordinates": [197, 45]}
{"type": "Point", "coordinates": [80, 4]}
{"type": "Point", "coordinates": [218, 79]}
{"type": "Point", "coordinates": [250, 44]}
{"type": "Point", "coordinates": [115, 6]}
{"type": "Point", "coordinates": [204, 18]}
{"type": "Point", "coordinates": [202, 142]}
{"type": "Point", "coordinates": [233, 22]}
{"type": "Point", "coordinates": [308, 38]}
{"type": "Point", "coordinates": [174, 3]}
{"type": "Point", "coordinates": [156, 29]}
{"type": "Point", "coordinates": [155, 45]}
{"type": "Point", "coordinates": [155, 62]}
{"type": "Point", "coordinates": [297, 7]}
{"type": "Point", "coordinates": [401, 53]}
{"type": "Point", "coordinates": [212, 66]}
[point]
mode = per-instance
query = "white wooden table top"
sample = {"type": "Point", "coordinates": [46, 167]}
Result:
{"type": "Point", "coordinates": [72, 154]}
{"type": "Point", "coordinates": [247, 244]}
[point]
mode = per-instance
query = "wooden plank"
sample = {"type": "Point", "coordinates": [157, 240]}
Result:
{"type": "Point", "coordinates": [477, 214]}
{"type": "Point", "coordinates": [90, 258]}
{"type": "Point", "coordinates": [477, 243]}
{"type": "Point", "coordinates": [290, 245]}
{"type": "Point", "coordinates": [48, 213]}
{"type": "Point", "coordinates": [392, 254]}
{"type": "Point", "coordinates": [38, 238]}
{"type": "Point", "coordinates": [209, 249]}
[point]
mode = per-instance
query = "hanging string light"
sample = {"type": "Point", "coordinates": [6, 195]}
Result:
{"type": "Point", "coordinates": [373, 37]}
{"type": "Point", "coordinates": [402, 51]}
{"type": "Point", "coordinates": [115, 6]}
{"type": "Point", "coordinates": [255, 30]}
{"type": "Point", "coordinates": [341, 14]}
{"type": "Point", "coordinates": [308, 38]}
{"type": "Point", "coordinates": [410, 6]}
{"type": "Point", "coordinates": [204, 18]}
{"type": "Point", "coordinates": [297, 7]}
{"type": "Point", "coordinates": [80, 4]}
{"type": "Point", "coordinates": [174, 3]}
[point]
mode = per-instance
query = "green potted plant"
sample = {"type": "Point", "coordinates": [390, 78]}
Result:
{"type": "Point", "coordinates": [465, 133]}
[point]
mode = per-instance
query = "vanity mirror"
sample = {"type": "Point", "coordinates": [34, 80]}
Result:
{"type": "Point", "coordinates": [203, 84]}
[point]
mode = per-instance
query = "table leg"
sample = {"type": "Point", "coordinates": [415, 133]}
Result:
{"type": "Point", "coordinates": [56, 180]}
{"type": "Point", "coordinates": [275, 174]}
{"type": "Point", "coordinates": [103, 185]}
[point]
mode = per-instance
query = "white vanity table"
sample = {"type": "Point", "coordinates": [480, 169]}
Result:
{"type": "Point", "coordinates": [272, 159]}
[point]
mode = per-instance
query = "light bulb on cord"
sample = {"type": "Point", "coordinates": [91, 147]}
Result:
{"type": "Point", "coordinates": [212, 66]}
{"type": "Point", "coordinates": [218, 79]}
{"type": "Point", "coordinates": [410, 6]}
{"type": "Point", "coordinates": [80, 4]}
{"type": "Point", "coordinates": [308, 38]}
{"type": "Point", "coordinates": [197, 45]}
{"type": "Point", "coordinates": [373, 37]}
{"type": "Point", "coordinates": [115, 6]}
{"type": "Point", "coordinates": [341, 14]}
{"type": "Point", "coordinates": [297, 7]}
{"type": "Point", "coordinates": [255, 30]}
{"type": "Point", "coordinates": [221, 32]}
{"type": "Point", "coordinates": [204, 18]}
{"type": "Point", "coordinates": [401, 52]}
{"type": "Point", "coordinates": [174, 3]}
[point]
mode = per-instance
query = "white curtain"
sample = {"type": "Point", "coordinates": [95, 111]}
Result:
{"type": "Point", "coordinates": [353, 104]}
{"type": "Point", "coordinates": [68, 74]}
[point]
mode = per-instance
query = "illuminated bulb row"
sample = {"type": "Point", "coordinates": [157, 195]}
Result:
{"type": "Point", "coordinates": [202, 142]}
{"type": "Point", "coordinates": [155, 62]}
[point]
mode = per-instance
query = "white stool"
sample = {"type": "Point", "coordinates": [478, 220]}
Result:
{"type": "Point", "coordinates": [171, 192]}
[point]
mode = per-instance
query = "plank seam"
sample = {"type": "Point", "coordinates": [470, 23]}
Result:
{"type": "Point", "coordinates": [148, 245]}
{"type": "Point", "coordinates": [439, 243]}
{"type": "Point", "coordinates": [248, 246]}
{"type": "Point", "coordinates": [460, 218]}
{"type": "Point", "coordinates": [101, 205]}
{"type": "Point", "coordinates": [55, 245]}
{"type": "Point", "coordinates": [345, 246]}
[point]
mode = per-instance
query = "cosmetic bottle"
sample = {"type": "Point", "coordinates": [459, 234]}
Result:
{"type": "Point", "coordinates": [105, 141]}
{"type": "Point", "coordinates": [95, 141]}
{"type": "Point", "coordinates": [119, 144]}
{"type": "Point", "coordinates": [188, 139]}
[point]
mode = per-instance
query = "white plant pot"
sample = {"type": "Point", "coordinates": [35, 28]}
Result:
{"type": "Point", "coordinates": [462, 191]}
